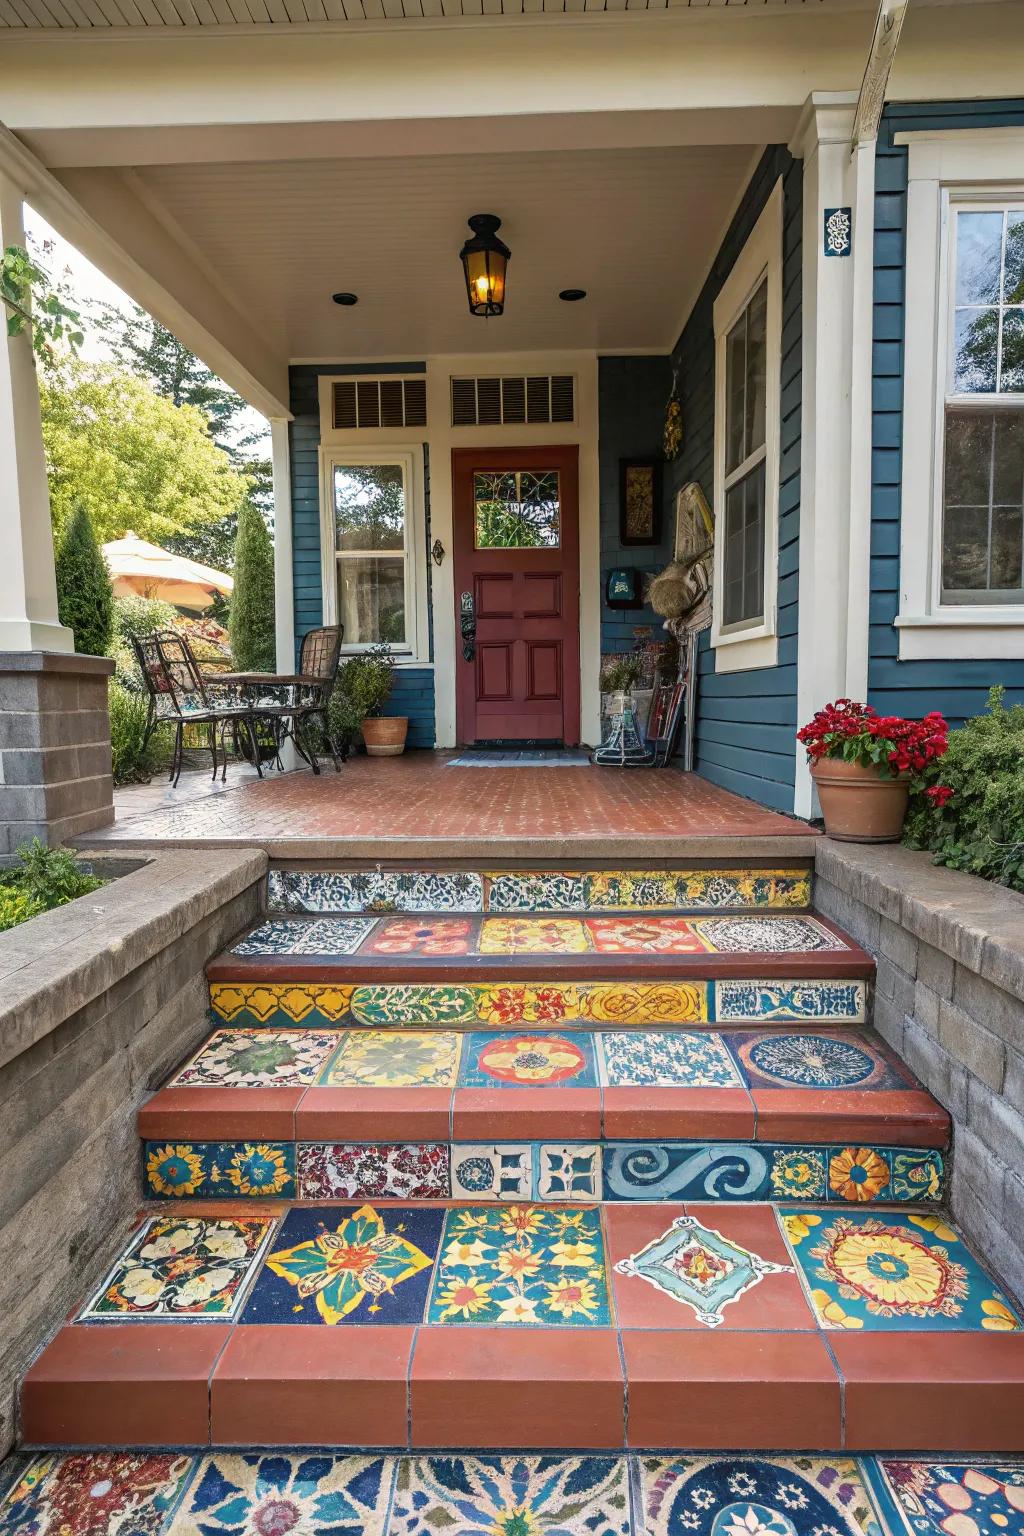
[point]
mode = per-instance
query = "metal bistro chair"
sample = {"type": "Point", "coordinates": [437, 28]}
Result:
{"type": "Point", "coordinates": [180, 694]}
{"type": "Point", "coordinates": [296, 702]}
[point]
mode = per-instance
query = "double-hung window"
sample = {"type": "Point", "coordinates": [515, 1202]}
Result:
{"type": "Point", "coordinates": [370, 540]}
{"type": "Point", "coordinates": [747, 319]}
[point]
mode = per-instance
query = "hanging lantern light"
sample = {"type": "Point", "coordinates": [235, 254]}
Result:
{"type": "Point", "coordinates": [484, 260]}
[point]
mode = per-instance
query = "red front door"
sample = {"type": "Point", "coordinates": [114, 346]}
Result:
{"type": "Point", "coordinates": [517, 594]}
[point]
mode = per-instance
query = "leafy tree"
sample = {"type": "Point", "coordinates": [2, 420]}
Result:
{"type": "Point", "coordinates": [136, 461]}
{"type": "Point", "coordinates": [85, 601]}
{"type": "Point", "coordinates": [253, 644]}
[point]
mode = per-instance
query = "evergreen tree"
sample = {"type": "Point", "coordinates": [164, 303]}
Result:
{"type": "Point", "coordinates": [253, 643]}
{"type": "Point", "coordinates": [85, 601]}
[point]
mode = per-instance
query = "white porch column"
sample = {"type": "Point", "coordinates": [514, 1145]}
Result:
{"type": "Point", "coordinates": [836, 432]}
{"type": "Point", "coordinates": [28, 586]}
{"type": "Point", "coordinates": [284, 590]}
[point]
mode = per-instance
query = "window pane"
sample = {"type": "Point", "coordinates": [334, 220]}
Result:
{"type": "Point", "coordinates": [968, 457]}
{"type": "Point", "coordinates": [979, 240]}
{"type": "Point", "coordinates": [757, 369]}
{"type": "Point", "coordinates": [1013, 277]}
{"type": "Point", "coordinates": [743, 552]}
{"type": "Point", "coordinates": [965, 549]}
{"type": "Point", "coordinates": [974, 351]}
{"type": "Point", "coordinates": [371, 599]}
{"type": "Point", "coordinates": [983, 523]}
{"type": "Point", "coordinates": [735, 388]}
{"type": "Point", "coordinates": [516, 510]}
{"type": "Point", "coordinates": [1008, 477]}
{"type": "Point", "coordinates": [1007, 530]}
{"type": "Point", "coordinates": [1011, 374]}
{"type": "Point", "coordinates": [369, 506]}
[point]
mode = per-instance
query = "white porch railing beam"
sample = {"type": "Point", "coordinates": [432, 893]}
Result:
{"type": "Point", "coordinates": [28, 586]}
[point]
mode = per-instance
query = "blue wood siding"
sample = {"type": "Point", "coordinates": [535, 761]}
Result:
{"type": "Point", "coordinates": [632, 392]}
{"type": "Point", "coordinates": [413, 693]}
{"type": "Point", "coordinates": [746, 720]}
{"type": "Point", "coordinates": [958, 688]}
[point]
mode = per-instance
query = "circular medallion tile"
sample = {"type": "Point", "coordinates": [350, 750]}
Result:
{"type": "Point", "coordinates": [811, 1060]}
{"type": "Point", "coordinates": [532, 1059]}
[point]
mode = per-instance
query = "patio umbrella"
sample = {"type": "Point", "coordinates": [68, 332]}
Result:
{"type": "Point", "coordinates": [143, 569]}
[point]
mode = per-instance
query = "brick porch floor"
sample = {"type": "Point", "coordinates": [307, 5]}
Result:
{"type": "Point", "coordinates": [391, 807]}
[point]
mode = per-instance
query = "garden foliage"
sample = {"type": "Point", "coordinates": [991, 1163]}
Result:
{"type": "Point", "coordinates": [253, 642]}
{"type": "Point", "coordinates": [46, 878]}
{"type": "Point", "coordinates": [85, 601]}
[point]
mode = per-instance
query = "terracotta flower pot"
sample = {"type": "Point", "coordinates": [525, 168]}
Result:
{"type": "Point", "coordinates": [385, 735]}
{"type": "Point", "coordinates": [858, 804]}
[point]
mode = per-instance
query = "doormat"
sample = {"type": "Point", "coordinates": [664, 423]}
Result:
{"type": "Point", "coordinates": [523, 759]}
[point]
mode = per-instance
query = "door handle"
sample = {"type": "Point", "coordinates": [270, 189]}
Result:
{"type": "Point", "coordinates": [467, 624]}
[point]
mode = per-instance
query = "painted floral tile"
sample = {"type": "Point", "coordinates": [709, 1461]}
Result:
{"type": "Point", "coordinates": [288, 936]}
{"type": "Point", "coordinates": [633, 890]}
{"type": "Point", "coordinates": [643, 936]}
{"type": "Point", "coordinates": [790, 1002]}
{"type": "Point", "coordinates": [654, 1059]}
{"type": "Point", "coordinates": [699, 1267]}
{"type": "Point", "coordinates": [332, 1265]}
{"type": "Point", "coordinates": [626, 1003]}
{"type": "Point", "coordinates": [225, 1169]}
{"type": "Point", "coordinates": [258, 1058]}
{"type": "Point", "coordinates": [286, 1493]}
{"type": "Point", "coordinates": [279, 1004]}
{"type": "Point", "coordinates": [536, 891]}
{"type": "Point", "coordinates": [430, 936]}
{"type": "Point", "coordinates": [375, 890]}
{"type": "Point", "coordinates": [521, 1265]}
{"type": "Point", "coordinates": [533, 936]}
{"type": "Point", "coordinates": [103, 1493]}
{"type": "Point", "coordinates": [766, 935]}
{"type": "Point", "coordinates": [894, 1270]}
{"type": "Point", "coordinates": [410, 1005]}
{"type": "Point", "coordinates": [511, 1496]}
{"type": "Point", "coordinates": [717, 888]}
{"type": "Point", "coordinates": [808, 1060]}
{"type": "Point", "coordinates": [183, 1266]}
{"type": "Point", "coordinates": [491, 1060]}
{"type": "Point", "coordinates": [397, 1058]}
{"type": "Point", "coordinates": [754, 1496]}
{"type": "Point", "coordinates": [951, 1497]}
{"type": "Point", "coordinates": [398, 1171]}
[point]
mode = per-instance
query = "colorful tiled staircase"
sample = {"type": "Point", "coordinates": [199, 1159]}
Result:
{"type": "Point", "coordinates": [542, 1160]}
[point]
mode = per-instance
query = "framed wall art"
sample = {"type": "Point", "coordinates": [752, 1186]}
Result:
{"type": "Point", "coordinates": [639, 501]}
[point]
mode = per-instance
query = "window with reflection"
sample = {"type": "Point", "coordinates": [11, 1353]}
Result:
{"type": "Point", "coordinates": [516, 509]}
{"type": "Point", "coordinates": [983, 469]}
{"type": "Point", "coordinates": [743, 536]}
{"type": "Point", "coordinates": [371, 526]}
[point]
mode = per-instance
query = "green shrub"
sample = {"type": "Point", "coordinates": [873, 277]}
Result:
{"type": "Point", "coordinates": [133, 763]}
{"type": "Point", "coordinates": [622, 675]}
{"type": "Point", "coordinates": [365, 681]}
{"type": "Point", "coordinates": [251, 626]}
{"type": "Point", "coordinates": [46, 878]}
{"type": "Point", "coordinates": [980, 828]}
{"type": "Point", "coordinates": [134, 616]}
{"type": "Point", "coordinates": [85, 601]}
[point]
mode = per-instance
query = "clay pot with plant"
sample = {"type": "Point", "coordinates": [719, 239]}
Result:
{"type": "Point", "coordinates": [867, 766]}
{"type": "Point", "coordinates": [367, 681]}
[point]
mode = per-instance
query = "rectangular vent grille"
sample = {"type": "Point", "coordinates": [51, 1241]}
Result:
{"type": "Point", "coordinates": [513, 400]}
{"type": "Point", "coordinates": [360, 403]}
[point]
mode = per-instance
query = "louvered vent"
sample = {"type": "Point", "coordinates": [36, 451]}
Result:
{"type": "Point", "coordinates": [358, 403]}
{"type": "Point", "coordinates": [513, 401]}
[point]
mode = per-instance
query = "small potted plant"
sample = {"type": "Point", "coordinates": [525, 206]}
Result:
{"type": "Point", "coordinates": [366, 680]}
{"type": "Point", "coordinates": [618, 679]}
{"type": "Point", "coordinates": [866, 766]}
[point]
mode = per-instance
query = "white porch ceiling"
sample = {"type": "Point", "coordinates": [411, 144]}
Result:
{"type": "Point", "coordinates": [636, 228]}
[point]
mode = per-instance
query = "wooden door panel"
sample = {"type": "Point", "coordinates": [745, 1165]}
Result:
{"type": "Point", "coordinates": [543, 670]}
{"type": "Point", "coordinates": [494, 597]}
{"type": "Point", "coordinates": [542, 595]}
{"type": "Point", "coordinates": [494, 673]}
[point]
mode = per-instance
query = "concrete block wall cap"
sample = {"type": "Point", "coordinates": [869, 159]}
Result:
{"type": "Point", "coordinates": [58, 962]}
{"type": "Point", "coordinates": [976, 923]}
{"type": "Point", "coordinates": [55, 661]}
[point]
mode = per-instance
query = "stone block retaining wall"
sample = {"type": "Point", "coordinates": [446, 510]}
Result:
{"type": "Point", "coordinates": [99, 1000]}
{"type": "Point", "coordinates": [950, 1000]}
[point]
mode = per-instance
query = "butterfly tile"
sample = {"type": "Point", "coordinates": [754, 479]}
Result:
{"type": "Point", "coordinates": [325, 936]}
{"type": "Point", "coordinates": [332, 1265]}
{"type": "Point", "coordinates": [569, 1173]}
{"type": "Point", "coordinates": [429, 936]}
{"type": "Point", "coordinates": [396, 1058]}
{"type": "Point", "coordinates": [790, 1002]}
{"type": "Point", "coordinates": [499, 1060]}
{"type": "Point", "coordinates": [481, 1172]}
{"type": "Point", "coordinates": [766, 935]}
{"type": "Point", "coordinates": [512, 1496]}
{"type": "Point", "coordinates": [642, 1058]}
{"type": "Point", "coordinates": [102, 1493]}
{"type": "Point", "coordinates": [533, 936]}
{"type": "Point", "coordinates": [699, 1267]}
{"type": "Point", "coordinates": [398, 1171]}
{"type": "Point", "coordinates": [274, 1493]}
{"type": "Point", "coordinates": [894, 1270]}
{"type": "Point", "coordinates": [643, 936]}
{"type": "Point", "coordinates": [183, 1267]}
{"type": "Point", "coordinates": [940, 1498]}
{"type": "Point", "coordinates": [227, 1169]}
{"type": "Point", "coordinates": [258, 1058]}
{"type": "Point", "coordinates": [521, 1266]}
{"type": "Point", "coordinates": [753, 1496]}
{"type": "Point", "coordinates": [819, 1061]}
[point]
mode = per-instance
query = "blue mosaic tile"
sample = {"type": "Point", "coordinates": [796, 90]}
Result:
{"type": "Point", "coordinates": [318, 1271]}
{"type": "Point", "coordinates": [839, 1175]}
{"type": "Point", "coordinates": [686, 1170]}
{"type": "Point", "coordinates": [375, 890]}
{"type": "Point", "coordinates": [512, 1496]}
{"type": "Point", "coordinates": [754, 1496]}
{"type": "Point", "coordinates": [498, 1060]}
{"type": "Point", "coordinates": [805, 1060]}
{"type": "Point", "coordinates": [943, 1498]}
{"type": "Point", "coordinates": [541, 891]}
{"type": "Point", "coordinates": [651, 1058]}
{"type": "Point", "coordinates": [789, 1002]}
{"type": "Point", "coordinates": [288, 936]}
{"type": "Point", "coordinates": [228, 1169]}
{"type": "Point", "coordinates": [273, 1493]}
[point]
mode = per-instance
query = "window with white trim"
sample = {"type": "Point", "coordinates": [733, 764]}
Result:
{"type": "Point", "coordinates": [371, 523]}
{"type": "Point", "coordinates": [748, 345]}
{"type": "Point", "coordinates": [982, 549]}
